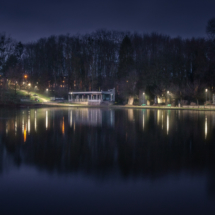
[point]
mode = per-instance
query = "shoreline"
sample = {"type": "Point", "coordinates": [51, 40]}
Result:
{"type": "Point", "coordinates": [53, 104]}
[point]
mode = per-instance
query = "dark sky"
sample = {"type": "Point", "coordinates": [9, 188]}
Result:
{"type": "Point", "coordinates": [29, 20]}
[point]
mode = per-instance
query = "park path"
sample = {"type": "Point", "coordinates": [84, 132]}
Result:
{"type": "Point", "coordinates": [39, 98]}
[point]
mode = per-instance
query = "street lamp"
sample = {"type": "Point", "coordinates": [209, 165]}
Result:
{"type": "Point", "coordinates": [206, 90]}
{"type": "Point", "coordinates": [144, 98]}
{"type": "Point", "coordinates": [29, 86]}
{"type": "Point", "coordinates": [168, 95]}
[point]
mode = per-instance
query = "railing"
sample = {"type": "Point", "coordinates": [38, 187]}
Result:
{"type": "Point", "coordinates": [86, 100]}
{"type": "Point", "coordinates": [94, 100]}
{"type": "Point", "coordinates": [78, 100]}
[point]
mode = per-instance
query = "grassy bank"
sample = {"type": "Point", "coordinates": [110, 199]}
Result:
{"type": "Point", "coordinates": [45, 101]}
{"type": "Point", "coordinates": [41, 97]}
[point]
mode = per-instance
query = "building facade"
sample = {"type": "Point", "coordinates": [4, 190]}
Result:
{"type": "Point", "coordinates": [92, 97]}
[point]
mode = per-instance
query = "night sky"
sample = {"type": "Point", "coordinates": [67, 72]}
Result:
{"type": "Point", "coordinates": [27, 20]}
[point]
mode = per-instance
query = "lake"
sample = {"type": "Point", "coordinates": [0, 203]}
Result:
{"type": "Point", "coordinates": [107, 161]}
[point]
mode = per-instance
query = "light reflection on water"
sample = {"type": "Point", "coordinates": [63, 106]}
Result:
{"type": "Point", "coordinates": [167, 123]}
{"type": "Point", "coordinates": [166, 149]}
{"type": "Point", "coordinates": [29, 124]}
{"type": "Point", "coordinates": [47, 120]}
{"type": "Point", "coordinates": [35, 120]}
{"type": "Point", "coordinates": [99, 118]}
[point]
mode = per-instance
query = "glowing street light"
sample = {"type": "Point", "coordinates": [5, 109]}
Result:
{"type": "Point", "coordinates": [168, 96]}
{"type": "Point", "coordinates": [25, 76]}
{"type": "Point", "coordinates": [206, 90]}
{"type": "Point", "coordinates": [144, 98]}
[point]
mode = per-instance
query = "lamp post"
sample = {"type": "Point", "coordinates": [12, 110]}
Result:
{"type": "Point", "coordinates": [24, 80]}
{"type": "Point", "coordinates": [29, 86]}
{"type": "Point", "coordinates": [206, 90]}
{"type": "Point", "coordinates": [144, 98]}
{"type": "Point", "coordinates": [168, 96]}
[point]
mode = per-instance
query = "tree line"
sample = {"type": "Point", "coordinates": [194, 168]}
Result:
{"type": "Point", "coordinates": [106, 59]}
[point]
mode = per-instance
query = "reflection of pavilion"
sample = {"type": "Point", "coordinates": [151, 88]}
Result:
{"type": "Point", "coordinates": [93, 117]}
{"type": "Point", "coordinates": [92, 97]}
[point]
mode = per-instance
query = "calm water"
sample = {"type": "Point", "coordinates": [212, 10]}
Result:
{"type": "Point", "coordinates": [104, 161]}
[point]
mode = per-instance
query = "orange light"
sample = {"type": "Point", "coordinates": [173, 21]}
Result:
{"type": "Point", "coordinates": [25, 134]}
{"type": "Point", "coordinates": [63, 126]}
{"type": "Point", "coordinates": [25, 76]}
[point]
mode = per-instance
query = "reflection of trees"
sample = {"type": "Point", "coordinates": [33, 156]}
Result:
{"type": "Point", "coordinates": [102, 149]}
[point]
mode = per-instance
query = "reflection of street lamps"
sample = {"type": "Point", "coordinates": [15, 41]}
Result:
{"type": "Point", "coordinates": [206, 90]}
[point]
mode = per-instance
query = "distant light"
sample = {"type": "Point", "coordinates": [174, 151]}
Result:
{"type": "Point", "coordinates": [29, 84]}
{"type": "Point", "coordinates": [47, 89]}
{"type": "Point", "coordinates": [25, 76]}
{"type": "Point", "coordinates": [168, 92]}
{"type": "Point", "coordinates": [206, 90]}
{"type": "Point", "coordinates": [143, 93]}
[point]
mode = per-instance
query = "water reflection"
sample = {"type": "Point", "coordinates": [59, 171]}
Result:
{"type": "Point", "coordinates": [23, 123]}
{"type": "Point", "coordinates": [46, 120]}
{"type": "Point", "coordinates": [162, 119]}
{"type": "Point", "coordinates": [15, 126]}
{"type": "Point", "coordinates": [155, 147]}
{"type": "Point", "coordinates": [158, 116]}
{"type": "Point", "coordinates": [63, 126]}
{"type": "Point", "coordinates": [29, 124]}
{"type": "Point", "coordinates": [135, 139]}
{"type": "Point", "coordinates": [93, 117]}
{"type": "Point", "coordinates": [6, 128]}
{"type": "Point", "coordinates": [167, 123]}
{"type": "Point", "coordinates": [206, 127]}
{"type": "Point", "coordinates": [70, 118]}
{"type": "Point", "coordinates": [130, 115]}
{"type": "Point", "coordinates": [35, 120]}
{"type": "Point", "coordinates": [24, 133]}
